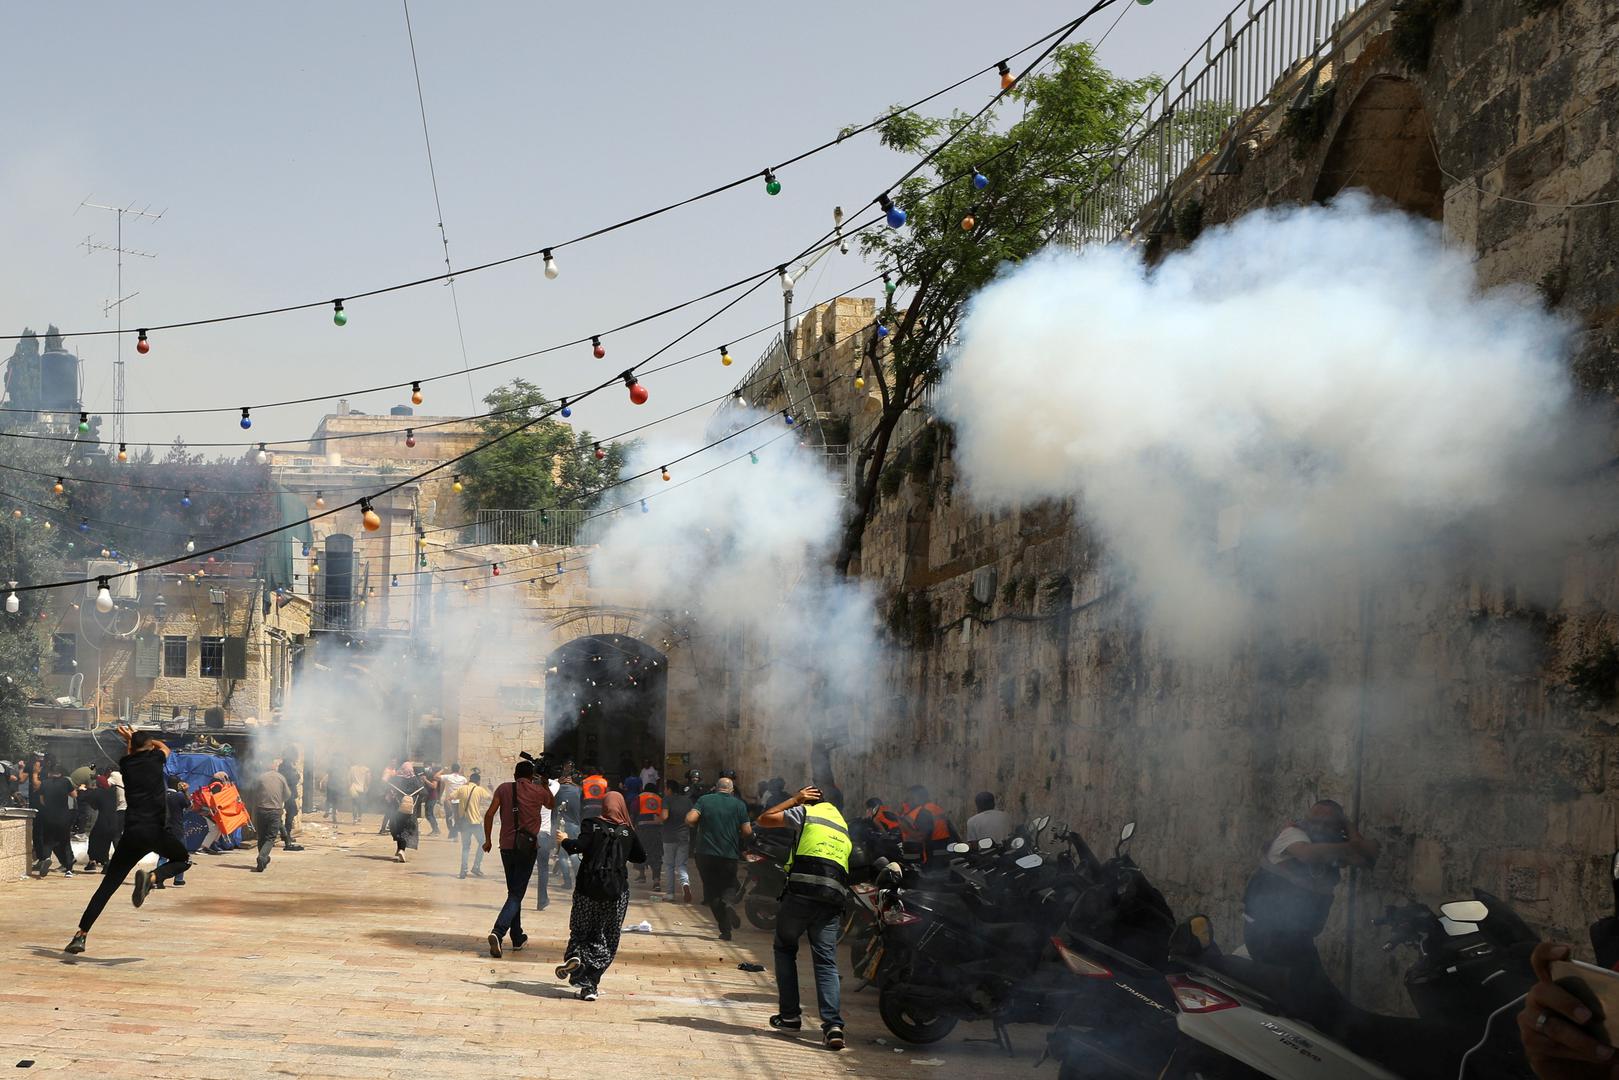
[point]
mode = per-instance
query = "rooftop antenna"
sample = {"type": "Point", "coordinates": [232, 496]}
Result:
{"type": "Point", "coordinates": [117, 247]}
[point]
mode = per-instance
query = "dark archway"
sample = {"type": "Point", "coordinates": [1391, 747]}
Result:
{"type": "Point", "coordinates": [605, 703]}
{"type": "Point", "coordinates": [1385, 145]}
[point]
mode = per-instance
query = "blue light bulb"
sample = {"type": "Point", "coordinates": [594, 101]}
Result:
{"type": "Point", "coordinates": [896, 217]}
{"type": "Point", "coordinates": [882, 331]}
{"type": "Point", "coordinates": [567, 410]}
{"type": "Point", "coordinates": [980, 181]}
{"type": "Point", "coordinates": [84, 526]}
{"type": "Point", "coordinates": [644, 509]}
{"type": "Point", "coordinates": [185, 500]}
{"type": "Point", "coordinates": [247, 421]}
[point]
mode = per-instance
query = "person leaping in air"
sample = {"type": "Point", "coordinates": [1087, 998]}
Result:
{"type": "Point", "coordinates": [145, 830]}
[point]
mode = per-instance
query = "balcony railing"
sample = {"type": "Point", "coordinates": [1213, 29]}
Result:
{"type": "Point", "coordinates": [1264, 56]}
{"type": "Point", "coordinates": [548, 528]}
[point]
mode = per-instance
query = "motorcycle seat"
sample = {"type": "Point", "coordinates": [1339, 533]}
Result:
{"type": "Point", "coordinates": [1263, 984]}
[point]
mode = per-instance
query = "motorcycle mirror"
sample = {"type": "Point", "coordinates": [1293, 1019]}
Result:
{"type": "Point", "coordinates": [958, 849]}
{"type": "Point", "coordinates": [1016, 844]}
{"type": "Point", "coordinates": [985, 843]}
{"type": "Point", "coordinates": [1041, 822]}
{"type": "Point", "coordinates": [1465, 911]}
{"type": "Point", "coordinates": [1128, 831]}
{"type": "Point", "coordinates": [1030, 862]}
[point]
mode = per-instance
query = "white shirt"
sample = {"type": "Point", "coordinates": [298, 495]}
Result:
{"type": "Point", "coordinates": [545, 811]}
{"type": "Point", "coordinates": [994, 824]}
{"type": "Point", "coordinates": [1284, 840]}
{"type": "Point", "coordinates": [649, 775]}
{"type": "Point", "coordinates": [115, 780]}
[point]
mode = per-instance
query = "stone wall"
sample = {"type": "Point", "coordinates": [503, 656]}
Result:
{"type": "Point", "coordinates": [16, 841]}
{"type": "Point", "coordinates": [1470, 730]}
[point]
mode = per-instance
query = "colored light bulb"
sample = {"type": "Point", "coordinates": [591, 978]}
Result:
{"type": "Point", "coordinates": [787, 416]}
{"type": "Point", "coordinates": [84, 526]}
{"type": "Point", "coordinates": [859, 382]}
{"type": "Point", "coordinates": [968, 222]}
{"type": "Point", "coordinates": [369, 517]}
{"type": "Point", "coordinates": [185, 500]}
{"type": "Point", "coordinates": [567, 410]}
{"type": "Point", "coordinates": [142, 346]}
{"type": "Point", "coordinates": [644, 508]}
{"type": "Point", "coordinates": [339, 316]}
{"type": "Point", "coordinates": [597, 347]}
{"type": "Point", "coordinates": [496, 570]}
{"type": "Point", "coordinates": [600, 453]}
{"type": "Point", "coordinates": [888, 284]}
{"type": "Point", "coordinates": [753, 456]}
{"type": "Point", "coordinates": [882, 330]}
{"type": "Point", "coordinates": [772, 185]}
{"type": "Point", "coordinates": [980, 181]}
{"type": "Point", "coordinates": [725, 355]}
{"type": "Point", "coordinates": [415, 393]}
{"type": "Point", "coordinates": [84, 423]}
{"type": "Point", "coordinates": [638, 394]}
{"type": "Point", "coordinates": [1007, 78]}
{"type": "Point", "coordinates": [895, 216]}
{"type": "Point", "coordinates": [57, 487]}
{"type": "Point", "coordinates": [320, 501]}
{"type": "Point", "coordinates": [410, 437]}
{"type": "Point", "coordinates": [666, 475]}
{"type": "Point", "coordinates": [123, 453]}
{"type": "Point", "coordinates": [247, 418]}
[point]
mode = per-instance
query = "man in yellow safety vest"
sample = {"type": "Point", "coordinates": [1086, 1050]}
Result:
{"type": "Point", "coordinates": [812, 905]}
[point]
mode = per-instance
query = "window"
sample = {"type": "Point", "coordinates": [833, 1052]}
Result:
{"type": "Point", "coordinates": [213, 658]}
{"type": "Point", "coordinates": [236, 658]}
{"type": "Point", "coordinates": [174, 657]}
{"type": "Point", "coordinates": [64, 654]}
{"type": "Point", "coordinates": [148, 657]}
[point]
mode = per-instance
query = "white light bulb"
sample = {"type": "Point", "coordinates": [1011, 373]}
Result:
{"type": "Point", "coordinates": [551, 270]}
{"type": "Point", "coordinates": [264, 457]}
{"type": "Point", "coordinates": [104, 600]}
{"type": "Point", "coordinates": [191, 545]}
{"type": "Point", "coordinates": [13, 605]}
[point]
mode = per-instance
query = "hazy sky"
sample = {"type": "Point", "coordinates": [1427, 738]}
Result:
{"type": "Point", "coordinates": [285, 144]}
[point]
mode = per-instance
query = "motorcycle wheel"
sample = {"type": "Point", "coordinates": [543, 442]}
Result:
{"type": "Point", "coordinates": [761, 912]}
{"type": "Point", "coordinates": [911, 1022]}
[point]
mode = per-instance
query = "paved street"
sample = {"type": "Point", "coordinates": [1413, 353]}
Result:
{"type": "Point", "coordinates": [340, 962]}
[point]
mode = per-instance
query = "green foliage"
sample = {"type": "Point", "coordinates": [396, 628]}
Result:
{"type": "Point", "coordinates": [1414, 24]}
{"type": "Point", "coordinates": [1189, 220]}
{"type": "Point", "coordinates": [29, 553]}
{"type": "Point", "coordinates": [546, 464]}
{"type": "Point", "coordinates": [1038, 166]}
{"type": "Point", "coordinates": [1307, 124]}
{"type": "Point", "coordinates": [228, 499]}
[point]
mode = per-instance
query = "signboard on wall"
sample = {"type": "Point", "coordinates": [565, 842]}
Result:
{"type": "Point", "coordinates": [676, 764]}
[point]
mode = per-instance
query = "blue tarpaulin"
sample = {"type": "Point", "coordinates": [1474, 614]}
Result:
{"type": "Point", "coordinates": [197, 770]}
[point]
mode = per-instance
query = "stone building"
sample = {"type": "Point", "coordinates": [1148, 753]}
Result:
{"type": "Point", "coordinates": [1469, 729]}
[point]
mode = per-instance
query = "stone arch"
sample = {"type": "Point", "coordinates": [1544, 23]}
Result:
{"type": "Point", "coordinates": [594, 620]}
{"type": "Point", "coordinates": [1384, 144]}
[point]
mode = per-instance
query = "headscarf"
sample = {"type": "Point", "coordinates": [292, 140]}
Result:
{"type": "Point", "coordinates": [614, 809]}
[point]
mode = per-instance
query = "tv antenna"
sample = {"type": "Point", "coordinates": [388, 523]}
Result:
{"type": "Point", "coordinates": [91, 245]}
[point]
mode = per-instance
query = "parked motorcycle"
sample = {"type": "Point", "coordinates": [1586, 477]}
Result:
{"type": "Point", "coordinates": [1119, 1020]}
{"type": "Point", "coordinates": [1472, 964]}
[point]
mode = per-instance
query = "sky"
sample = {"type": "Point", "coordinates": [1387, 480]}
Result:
{"type": "Point", "coordinates": [283, 144]}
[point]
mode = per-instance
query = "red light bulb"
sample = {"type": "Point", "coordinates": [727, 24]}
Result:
{"type": "Point", "coordinates": [638, 394]}
{"type": "Point", "coordinates": [597, 347]}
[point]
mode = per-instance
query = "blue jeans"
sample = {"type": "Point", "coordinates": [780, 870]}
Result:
{"type": "Point", "coordinates": [798, 918]}
{"type": "Point", "coordinates": [519, 868]}
{"type": "Point", "coordinates": [468, 841]}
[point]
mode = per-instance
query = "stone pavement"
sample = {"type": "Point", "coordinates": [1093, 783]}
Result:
{"type": "Point", "coordinates": [339, 962]}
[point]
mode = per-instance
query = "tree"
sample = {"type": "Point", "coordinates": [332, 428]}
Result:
{"type": "Point", "coordinates": [1037, 168]}
{"type": "Point", "coordinates": [547, 464]}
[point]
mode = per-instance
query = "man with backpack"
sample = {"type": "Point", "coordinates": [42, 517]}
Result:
{"type": "Point", "coordinates": [519, 803]}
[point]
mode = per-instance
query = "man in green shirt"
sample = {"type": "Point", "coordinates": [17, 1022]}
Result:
{"type": "Point", "coordinates": [719, 821]}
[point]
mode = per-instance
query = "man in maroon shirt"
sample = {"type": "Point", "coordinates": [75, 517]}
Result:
{"type": "Point", "coordinates": [518, 803]}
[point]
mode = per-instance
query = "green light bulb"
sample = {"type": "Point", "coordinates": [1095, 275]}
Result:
{"type": "Point", "coordinates": [84, 427]}
{"type": "Point", "coordinates": [773, 188]}
{"type": "Point", "coordinates": [341, 318]}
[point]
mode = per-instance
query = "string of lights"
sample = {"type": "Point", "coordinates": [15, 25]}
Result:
{"type": "Point", "coordinates": [63, 478]}
{"type": "Point", "coordinates": [894, 216]}
{"type": "Point", "coordinates": [546, 253]}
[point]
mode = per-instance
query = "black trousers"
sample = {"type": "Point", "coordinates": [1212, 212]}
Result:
{"type": "Point", "coordinates": [718, 875]}
{"type": "Point", "coordinates": [137, 843]}
{"type": "Point", "coordinates": [56, 838]}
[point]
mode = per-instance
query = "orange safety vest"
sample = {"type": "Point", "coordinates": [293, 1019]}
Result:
{"type": "Point", "coordinates": [224, 805]}
{"type": "Point", "coordinates": [941, 825]}
{"type": "Point", "coordinates": [649, 809]}
{"type": "Point", "coordinates": [592, 792]}
{"type": "Point", "coordinates": [884, 818]}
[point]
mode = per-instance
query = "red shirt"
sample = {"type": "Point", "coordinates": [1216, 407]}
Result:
{"type": "Point", "coordinates": [532, 798]}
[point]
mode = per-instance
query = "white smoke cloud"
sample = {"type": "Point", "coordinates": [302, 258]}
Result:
{"type": "Point", "coordinates": [1316, 387]}
{"type": "Point", "coordinates": [744, 551]}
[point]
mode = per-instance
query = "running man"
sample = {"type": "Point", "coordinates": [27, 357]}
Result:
{"type": "Point", "coordinates": [145, 830]}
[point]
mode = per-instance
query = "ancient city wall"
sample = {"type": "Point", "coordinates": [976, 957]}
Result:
{"type": "Point", "coordinates": [1470, 728]}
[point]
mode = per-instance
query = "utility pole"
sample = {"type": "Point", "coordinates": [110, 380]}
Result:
{"type": "Point", "coordinates": [117, 248]}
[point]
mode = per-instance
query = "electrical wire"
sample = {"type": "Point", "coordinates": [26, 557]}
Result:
{"type": "Point", "coordinates": [842, 136]}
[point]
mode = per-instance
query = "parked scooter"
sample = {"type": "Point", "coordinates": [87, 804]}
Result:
{"type": "Point", "coordinates": [1473, 960]}
{"type": "Point", "coordinates": [764, 862]}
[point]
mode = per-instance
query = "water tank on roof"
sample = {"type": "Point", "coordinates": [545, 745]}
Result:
{"type": "Point", "coordinates": [401, 410]}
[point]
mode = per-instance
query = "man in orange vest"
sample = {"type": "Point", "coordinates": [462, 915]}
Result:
{"type": "Point", "coordinates": [649, 818]}
{"type": "Point", "coordinates": [880, 815]}
{"type": "Point", "coordinates": [592, 791]}
{"type": "Point", "coordinates": [925, 823]}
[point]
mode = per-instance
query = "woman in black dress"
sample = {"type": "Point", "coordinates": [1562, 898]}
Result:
{"type": "Point", "coordinates": [601, 894]}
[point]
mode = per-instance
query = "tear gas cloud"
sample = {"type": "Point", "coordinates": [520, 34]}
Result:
{"type": "Point", "coordinates": [1307, 390]}
{"type": "Point", "coordinates": [743, 552]}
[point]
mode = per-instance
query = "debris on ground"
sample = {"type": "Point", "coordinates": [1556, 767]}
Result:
{"type": "Point", "coordinates": [750, 967]}
{"type": "Point", "coordinates": [642, 927]}
{"type": "Point", "coordinates": [931, 1062]}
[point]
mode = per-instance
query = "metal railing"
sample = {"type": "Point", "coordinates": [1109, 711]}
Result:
{"type": "Point", "coordinates": [1264, 56]}
{"type": "Point", "coordinates": [549, 528]}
